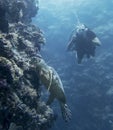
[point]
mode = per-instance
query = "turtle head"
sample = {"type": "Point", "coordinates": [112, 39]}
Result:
{"type": "Point", "coordinates": [38, 63]}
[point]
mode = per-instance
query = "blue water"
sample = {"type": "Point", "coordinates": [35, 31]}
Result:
{"type": "Point", "coordinates": [88, 86]}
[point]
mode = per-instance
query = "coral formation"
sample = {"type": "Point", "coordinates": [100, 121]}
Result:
{"type": "Point", "coordinates": [20, 105]}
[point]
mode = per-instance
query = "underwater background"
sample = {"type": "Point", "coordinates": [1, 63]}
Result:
{"type": "Point", "coordinates": [89, 86]}
{"type": "Point", "coordinates": [32, 31]}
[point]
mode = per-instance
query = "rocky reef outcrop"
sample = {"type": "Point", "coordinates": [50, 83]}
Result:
{"type": "Point", "coordinates": [20, 42]}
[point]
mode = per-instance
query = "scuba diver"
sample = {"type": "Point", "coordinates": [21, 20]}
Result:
{"type": "Point", "coordinates": [84, 42]}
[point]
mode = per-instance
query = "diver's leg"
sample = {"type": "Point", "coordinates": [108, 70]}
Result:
{"type": "Point", "coordinates": [88, 55]}
{"type": "Point", "coordinates": [79, 57]}
{"type": "Point", "coordinates": [93, 51]}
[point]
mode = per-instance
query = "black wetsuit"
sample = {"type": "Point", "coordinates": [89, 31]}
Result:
{"type": "Point", "coordinates": [82, 43]}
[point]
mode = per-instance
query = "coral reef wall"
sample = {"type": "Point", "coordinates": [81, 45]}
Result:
{"type": "Point", "coordinates": [20, 105]}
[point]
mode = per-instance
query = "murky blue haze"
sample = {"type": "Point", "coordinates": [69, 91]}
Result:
{"type": "Point", "coordinates": [89, 86]}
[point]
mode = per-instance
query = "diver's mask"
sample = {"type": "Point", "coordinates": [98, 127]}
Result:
{"type": "Point", "coordinates": [81, 27]}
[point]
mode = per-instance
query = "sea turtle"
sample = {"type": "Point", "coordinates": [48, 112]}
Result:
{"type": "Point", "coordinates": [51, 80]}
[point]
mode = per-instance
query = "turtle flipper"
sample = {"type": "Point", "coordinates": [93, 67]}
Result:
{"type": "Point", "coordinates": [66, 112]}
{"type": "Point", "coordinates": [50, 99]}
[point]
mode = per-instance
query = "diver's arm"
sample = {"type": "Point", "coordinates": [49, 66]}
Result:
{"type": "Point", "coordinates": [71, 43]}
{"type": "Point", "coordinates": [92, 36]}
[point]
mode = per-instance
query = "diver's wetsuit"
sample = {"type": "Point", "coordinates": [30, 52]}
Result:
{"type": "Point", "coordinates": [82, 43]}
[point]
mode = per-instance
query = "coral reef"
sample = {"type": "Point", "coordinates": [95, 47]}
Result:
{"type": "Point", "coordinates": [20, 105]}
